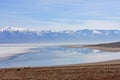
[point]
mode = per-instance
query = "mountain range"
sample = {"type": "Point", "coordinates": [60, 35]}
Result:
{"type": "Point", "coordinates": [21, 35]}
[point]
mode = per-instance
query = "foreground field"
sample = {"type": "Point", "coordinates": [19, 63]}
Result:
{"type": "Point", "coordinates": [76, 72]}
{"type": "Point", "coordinates": [108, 70]}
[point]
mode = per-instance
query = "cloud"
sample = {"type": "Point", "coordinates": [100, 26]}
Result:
{"type": "Point", "coordinates": [86, 24]}
{"type": "Point", "coordinates": [113, 18]}
{"type": "Point", "coordinates": [61, 14]}
{"type": "Point", "coordinates": [65, 24]}
{"type": "Point", "coordinates": [102, 24]}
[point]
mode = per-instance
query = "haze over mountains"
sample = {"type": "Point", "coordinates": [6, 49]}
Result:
{"type": "Point", "coordinates": [21, 35]}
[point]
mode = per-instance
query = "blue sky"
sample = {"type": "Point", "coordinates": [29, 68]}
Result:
{"type": "Point", "coordinates": [60, 14]}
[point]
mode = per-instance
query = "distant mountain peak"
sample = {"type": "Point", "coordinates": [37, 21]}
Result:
{"type": "Point", "coordinates": [15, 29]}
{"type": "Point", "coordinates": [16, 35]}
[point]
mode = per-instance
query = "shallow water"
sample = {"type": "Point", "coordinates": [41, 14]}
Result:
{"type": "Point", "coordinates": [24, 55]}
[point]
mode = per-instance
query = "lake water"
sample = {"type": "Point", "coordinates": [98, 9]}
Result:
{"type": "Point", "coordinates": [25, 55]}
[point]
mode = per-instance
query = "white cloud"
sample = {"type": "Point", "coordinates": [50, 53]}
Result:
{"type": "Point", "coordinates": [86, 24]}
{"type": "Point", "coordinates": [114, 18]}
{"type": "Point", "coordinates": [62, 14]}
{"type": "Point", "coordinates": [68, 25]}
{"type": "Point", "coordinates": [101, 24]}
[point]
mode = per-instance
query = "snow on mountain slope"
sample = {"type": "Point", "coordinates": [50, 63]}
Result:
{"type": "Point", "coordinates": [22, 35]}
{"type": "Point", "coordinates": [15, 29]}
{"type": "Point", "coordinates": [96, 32]}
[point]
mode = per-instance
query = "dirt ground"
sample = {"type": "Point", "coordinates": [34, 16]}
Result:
{"type": "Point", "coordinates": [73, 72]}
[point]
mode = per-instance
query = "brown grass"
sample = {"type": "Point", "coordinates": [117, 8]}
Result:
{"type": "Point", "coordinates": [96, 71]}
{"type": "Point", "coordinates": [76, 72]}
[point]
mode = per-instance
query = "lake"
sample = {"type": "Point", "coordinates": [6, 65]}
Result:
{"type": "Point", "coordinates": [31, 55]}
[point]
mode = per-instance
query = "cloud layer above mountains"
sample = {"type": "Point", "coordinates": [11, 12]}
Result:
{"type": "Point", "coordinates": [61, 14]}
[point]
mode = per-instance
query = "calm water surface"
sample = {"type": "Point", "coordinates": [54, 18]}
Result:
{"type": "Point", "coordinates": [49, 55]}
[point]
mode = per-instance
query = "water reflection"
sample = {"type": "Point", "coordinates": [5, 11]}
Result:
{"type": "Point", "coordinates": [56, 55]}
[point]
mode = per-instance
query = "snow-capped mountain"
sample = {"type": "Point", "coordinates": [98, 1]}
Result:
{"type": "Point", "coordinates": [21, 35]}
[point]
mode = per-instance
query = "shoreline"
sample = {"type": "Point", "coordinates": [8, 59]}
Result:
{"type": "Point", "coordinates": [108, 62]}
{"type": "Point", "coordinates": [105, 70]}
{"type": "Point", "coordinates": [109, 49]}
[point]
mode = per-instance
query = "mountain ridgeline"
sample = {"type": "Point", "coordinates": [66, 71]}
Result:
{"type": "Point", "coordinates": [20, 35]}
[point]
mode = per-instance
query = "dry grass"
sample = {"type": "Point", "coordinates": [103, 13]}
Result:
{"type": "Point", "coordinates": [98, 71]}
{"type": "Point", "coordinates": [77, 72]}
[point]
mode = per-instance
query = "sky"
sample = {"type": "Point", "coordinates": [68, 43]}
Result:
{"type": "Point", "coordinates": [60, 14]}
